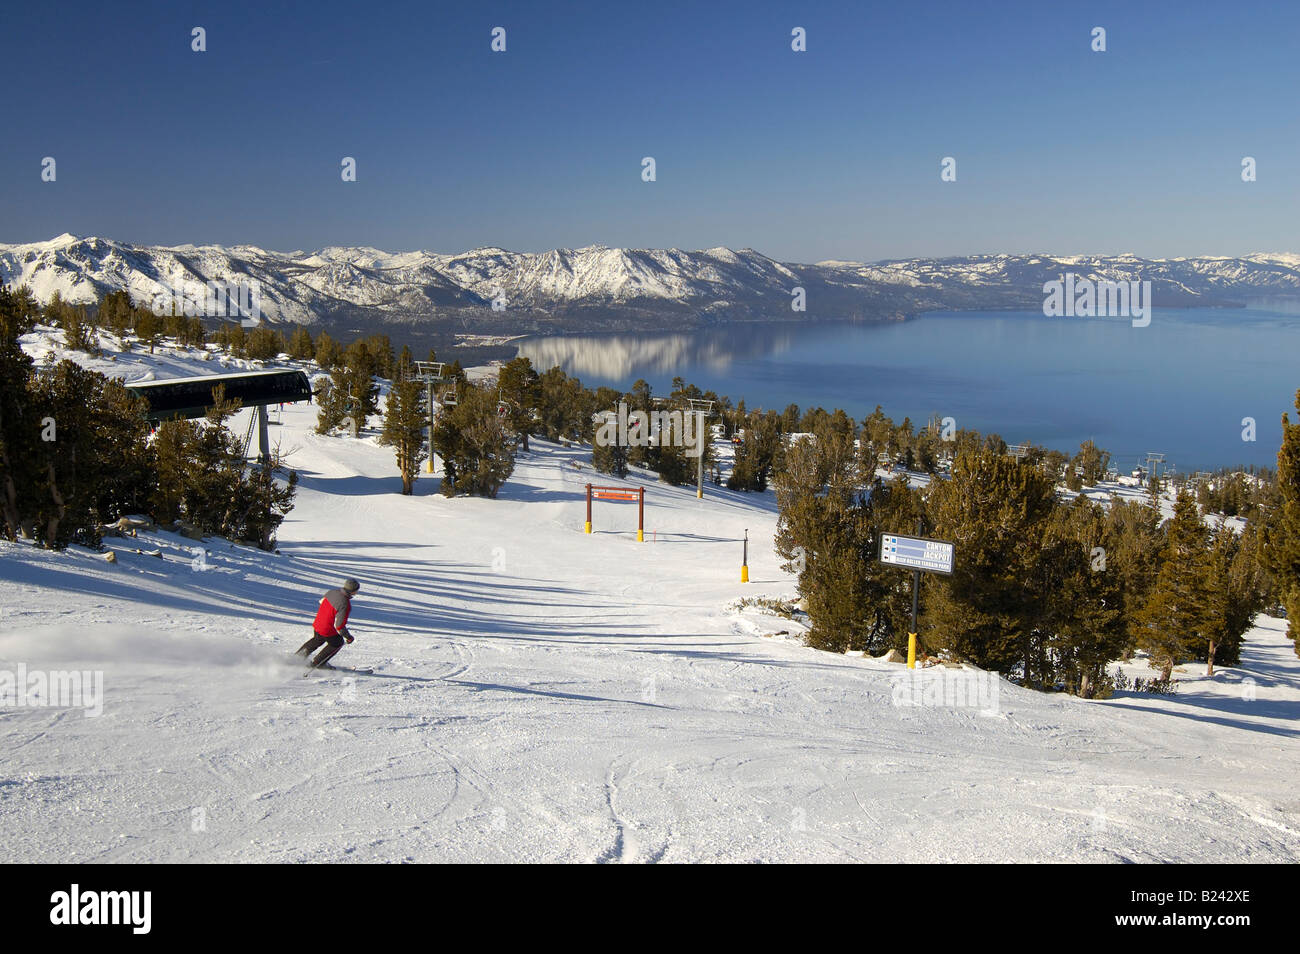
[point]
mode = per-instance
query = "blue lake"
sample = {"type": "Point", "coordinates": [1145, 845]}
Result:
{"type": "Point", "coordinates": [1179, 386]}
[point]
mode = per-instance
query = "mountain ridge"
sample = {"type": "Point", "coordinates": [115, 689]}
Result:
{"type": "Point", "coordinates": [599, 287]}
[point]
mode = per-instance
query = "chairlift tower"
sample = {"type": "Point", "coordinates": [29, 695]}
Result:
{"type": "Point", "coordinates": [1153, 466]}
{"type": "Point", "coordinates": [703, 410]}
{"type": "Point", "coordinates": [431, 373]}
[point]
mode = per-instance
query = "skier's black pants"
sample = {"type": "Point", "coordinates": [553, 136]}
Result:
{"type": "Point", "coordinates": [332, 645]}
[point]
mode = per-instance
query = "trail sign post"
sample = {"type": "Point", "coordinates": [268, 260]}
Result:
{"type": "Point", "coordinates": [920, 556]}
{"type": "Point", "coordinates": [916, 553]}
{"type": "Point", "coordinates": [619, 493]}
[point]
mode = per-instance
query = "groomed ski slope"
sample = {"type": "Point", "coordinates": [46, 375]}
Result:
{"type": "Point", "coordinates": [544, 695]}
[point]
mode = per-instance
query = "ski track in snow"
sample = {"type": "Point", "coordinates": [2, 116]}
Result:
{"type": "Point", "coordinates": [544, 695]}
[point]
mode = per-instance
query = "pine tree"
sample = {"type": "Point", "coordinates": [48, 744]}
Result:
{"type": "Point", "coordinates": [328, 352]}
{"type": "Point", "coordinates": [477, 456]}
{"type": "Point", "coordinates": [519, 388]}
{"type": "Point", "coordinates": [331, 413]}
{"type": "Point", "coordinates": [790, 419]}
{"type": "Point", "coordinates": [928, 446]}
{"type": "Point", "coordinates": [609, 448]}
{"type": "Point", "coordinates": [174, 326]}
{"type": "Point", "coordinates": [261, 504]}
{"type": "Point", "coordinates": [1281, 533]}
{"type": "Point", "coordinates": [237, 339]}
{"type": "Point", "coordinates": [116, 312]}
{"type": "Point", "coordinates": [195, 334]}
{"type": "Point", "coordinates": [670, 459]}
{"type": "Point", "coordinates": [123, 474]}
{"type": "Point", "coordinates": [185, 473]}
{"type": "Point", "coordinates": [381, 354]}
{"type": "Point", "coordinates": [1176, 615]}
{"type": "Point", "coordinates": [830, 534]}
{"type": "Point", "coordinates": [1131, 552]}
{"type": "Point", "coordinates": [873, 445]}
{"type": "Point", "coordinates": [1235, 596]}
{"type": "Point", "coordinates": [1080, 626]}
{"type": "Point", "coordinates": [995, 510]}
{"type": "Point", "coordinates": [563, 408]}
{"type": "Point", "coordinates": [79, 331]}
{"type": "Point", "coordinates": [808, 424]}
{"type": "Point", "coordinates": [264, 343]}
{"type": "Point", "coordinates": [362, 367]}
{"type": "Point", "coordinates": [733, 419]}
{"type": "Point", "coordinates": [301, 347]}
{"type": "Point", "coordinates": [760, 450]}
{"type": "Point", "coordinates": [203, 478]}
{"type": "Point", "coordinates": [404, 426]}
{"type": "Point", "coordinates": [639, 401]}
{"type": "Point", "coordinates": [610, 459]}
{"type": "Point", "coordinates": [91, 462]}
{"type": "Point", "coordinates": [834, 584]}
{"type": "Point", "coordinates": [902, 445]}
{"type": "Point", "coordinates": [352, 394]}
{"type": "Point", "coordinates": [1091, 463]}
{"type": "Point", "coordinates": [19, 427]}
{"type": "Point", "coordinates": [148, 329]}
{"type": "Point", "coordinates": [1052, 463]}
{"type": "Point", "coordinates": [584, 408]}
{"type": "Point", "coordinates": [837, 436]}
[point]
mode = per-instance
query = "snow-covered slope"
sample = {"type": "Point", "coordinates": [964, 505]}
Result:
{"type": "Point", "coordinates": [542, 694]}
{"type": "Point", "coordinates": [582, 286]}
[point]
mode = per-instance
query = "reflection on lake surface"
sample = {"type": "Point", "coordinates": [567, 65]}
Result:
{"type": "Point", "coordinates": [615, 358]}
{"type": "Point", "coordinates": [1180, 386]}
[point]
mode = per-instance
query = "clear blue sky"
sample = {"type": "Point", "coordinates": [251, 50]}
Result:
{"type": "Point", "coordinates": [832, 153]}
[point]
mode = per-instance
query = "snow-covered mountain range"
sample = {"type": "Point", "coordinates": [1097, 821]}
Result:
{"type": "Point", "coordinates": [598, 288]}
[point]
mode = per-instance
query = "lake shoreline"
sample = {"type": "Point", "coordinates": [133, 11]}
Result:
{"type": "Point", "coordinates": [1020, 374]}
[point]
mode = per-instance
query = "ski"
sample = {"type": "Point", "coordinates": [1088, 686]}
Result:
{"type": "Point", "coordinates": [360, 671]}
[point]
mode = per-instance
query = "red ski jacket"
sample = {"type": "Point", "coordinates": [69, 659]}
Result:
{"type": "Point", "coordinates": [332, 615]}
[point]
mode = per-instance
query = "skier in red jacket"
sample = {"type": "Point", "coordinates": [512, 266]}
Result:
{"type": "Point", "coordinates": [330, 628]}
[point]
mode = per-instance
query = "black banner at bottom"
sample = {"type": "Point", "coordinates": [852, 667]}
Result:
{"type": "Point", "coordinates": [221, 903]}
